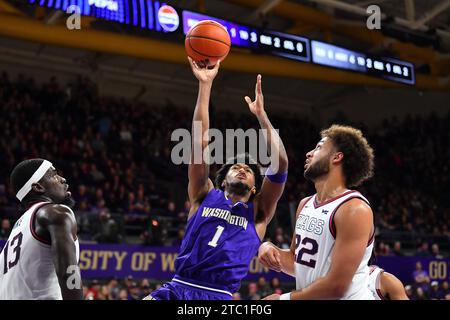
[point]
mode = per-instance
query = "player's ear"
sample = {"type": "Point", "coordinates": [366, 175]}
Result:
{"type": "Point", "coordinates": [253, 190]}
{"type": "Point", "coordinates": [337, 157]}
{"type": "Point", "coordinates": [38, 188]}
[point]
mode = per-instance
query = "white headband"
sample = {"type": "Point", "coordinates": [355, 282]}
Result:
{"type": "Point", "coordinates": [34, 178]}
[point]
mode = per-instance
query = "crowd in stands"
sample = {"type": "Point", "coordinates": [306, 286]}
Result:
{"type": "Point", "coordinates": [137, 289]}
{"type": "Point", "coordinates": [116, 157]}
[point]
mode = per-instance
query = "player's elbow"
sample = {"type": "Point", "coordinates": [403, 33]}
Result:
{"type": "Point", "coordinates": [338, 289]}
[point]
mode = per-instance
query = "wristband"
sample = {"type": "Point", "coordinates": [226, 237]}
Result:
{"type": "Point", "coordinates": [286, 296]}
{"type": "Point", "coordinates": [276, 177]}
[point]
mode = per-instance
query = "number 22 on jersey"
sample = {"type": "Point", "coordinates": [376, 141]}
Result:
{"type": "Point", "coordinates": [309, 247]}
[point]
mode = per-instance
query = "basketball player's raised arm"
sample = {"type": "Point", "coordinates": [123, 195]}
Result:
{"type": "Point", "coordinates": [198, 172]}
{"type": "Point", "coordinates": [61, 224]}
{"type": "Point", "coordinates": [277, 259]}
{"type": "Point", "coordinates": [273, 183]}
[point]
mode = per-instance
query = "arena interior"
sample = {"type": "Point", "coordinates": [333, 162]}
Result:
{"type": "Point", "coordinates": [102, 102]}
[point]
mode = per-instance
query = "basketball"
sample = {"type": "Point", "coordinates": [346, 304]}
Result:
{"type": "Point", "coordinates": [207, 40]}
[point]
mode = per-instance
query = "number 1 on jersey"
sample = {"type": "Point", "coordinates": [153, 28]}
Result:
{"type": "Point", "coordinates": [213, 242]}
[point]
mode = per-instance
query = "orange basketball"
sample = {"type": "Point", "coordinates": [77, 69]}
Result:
{"type": "Point", "coordinates": [207, 40]}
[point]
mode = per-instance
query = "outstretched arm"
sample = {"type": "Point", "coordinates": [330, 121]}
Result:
{"type": "Point", "coordinates": [60, 222]}
{"type": "Point", "coordinates": [198, 172]}
{"type": "Point", "coordinates": [273, 184]}
{"type": "Point", "coordinates": [279, 259]}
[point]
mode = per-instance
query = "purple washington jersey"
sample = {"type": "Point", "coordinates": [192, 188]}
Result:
{"type": "Point", "coordinates": [219, 244]}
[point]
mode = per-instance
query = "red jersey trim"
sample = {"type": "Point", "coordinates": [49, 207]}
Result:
{"type": "Point", "coordinates": [332, 226]}
{"type": "Point", "coordinates": [372, 238]}
{"type": "Point", "coordinates": [308, 198]}
{"type": "Point", "coordinates": [377, 286]}
{"type": "Point", "coordinates": [318, 205]}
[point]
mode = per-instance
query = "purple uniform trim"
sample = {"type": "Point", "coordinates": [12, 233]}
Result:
{"type": "Point", "coordinates": [276, 177]}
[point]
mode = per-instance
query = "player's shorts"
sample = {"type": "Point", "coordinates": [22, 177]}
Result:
{"type": "Point", "coordinates": [177, 291]}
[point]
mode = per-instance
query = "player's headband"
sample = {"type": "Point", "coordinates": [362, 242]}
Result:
{"type": "Point", "coordinates": [37, 175]}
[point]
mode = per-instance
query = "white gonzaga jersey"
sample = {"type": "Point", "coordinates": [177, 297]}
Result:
{"type": "Point", "coordinates": [26, 264]}
{"type": "Point", "coordinates": [374, 282]}
{"type": "Point", "coordinates": [314, 242]}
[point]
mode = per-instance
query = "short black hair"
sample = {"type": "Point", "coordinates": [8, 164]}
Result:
{"type": "Point", "coordinates": [22, 173]}
{"type": "Point", "coordinates": [242, 158]}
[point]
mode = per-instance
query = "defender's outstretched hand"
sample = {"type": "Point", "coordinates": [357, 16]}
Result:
{"type": "Point", "coordinates": [203, 73]}
{"type": "Point", "coordinates": [257, 106]}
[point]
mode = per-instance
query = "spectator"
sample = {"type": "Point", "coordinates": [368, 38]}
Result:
{"type": "Point", "coordinates": [108, 230]}
{"type": "Point", "coordinates": [93, 291]}
{"type": "Point", "coordinates": [280, 239]}
{"type": "Point", "coordinates": [397, 251]}
{"type": "Point", "coordinates": [421, 277]}
{"type": "Point", "coordinates": [128, 281]}
{"type": "Point", "coordinates": [275, 283]}
{"type": "Point", "coordinates": [237, 296]}
{"type": "Point", "coordinates": [253, 292]}
{"type": "Point", "coordinates": [5, 229]}
{"type": "Point", "coordinates": [281, 242]}
{"type": "Point", "coordinates": [113, 288]}
{"type": "Point", "coordinates": [382, 249]}
{"type": "Point", "coordinates": [409, 292]}
{"type": "Point", "coordinates": [135, 292]}
{"type": "Point", "coordinates": [104, 293]}
{"type": "Point", "coordinates": [85, 293]}
{"type": "Point", "coordinates": [123, 294]}
{"type": "Point", "coordinates": [171, 209]}
{"type": "Point", "coordinates": [435, 293]}
{"type": "Point", "coordinates": [263, 287]}
{"type": "Point", "coordinates": [423, 250]}
{"type": "Point", "coordinates": [444, 290]}
{"type": "Point", "coordinates": [145, 288]}
{"type": "Point", "coordinates": [420, 294]}
{"type": "Point", "coordinates": [435, 251]}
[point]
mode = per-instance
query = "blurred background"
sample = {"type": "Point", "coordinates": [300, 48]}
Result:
{"type": "Point", "coordinates": [100, 97]}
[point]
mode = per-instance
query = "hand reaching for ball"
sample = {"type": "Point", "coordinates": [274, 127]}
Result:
{"type": "Point", "coordinates": [202, 72]}
{"type": "Point", "coordinates": [256, 106]}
